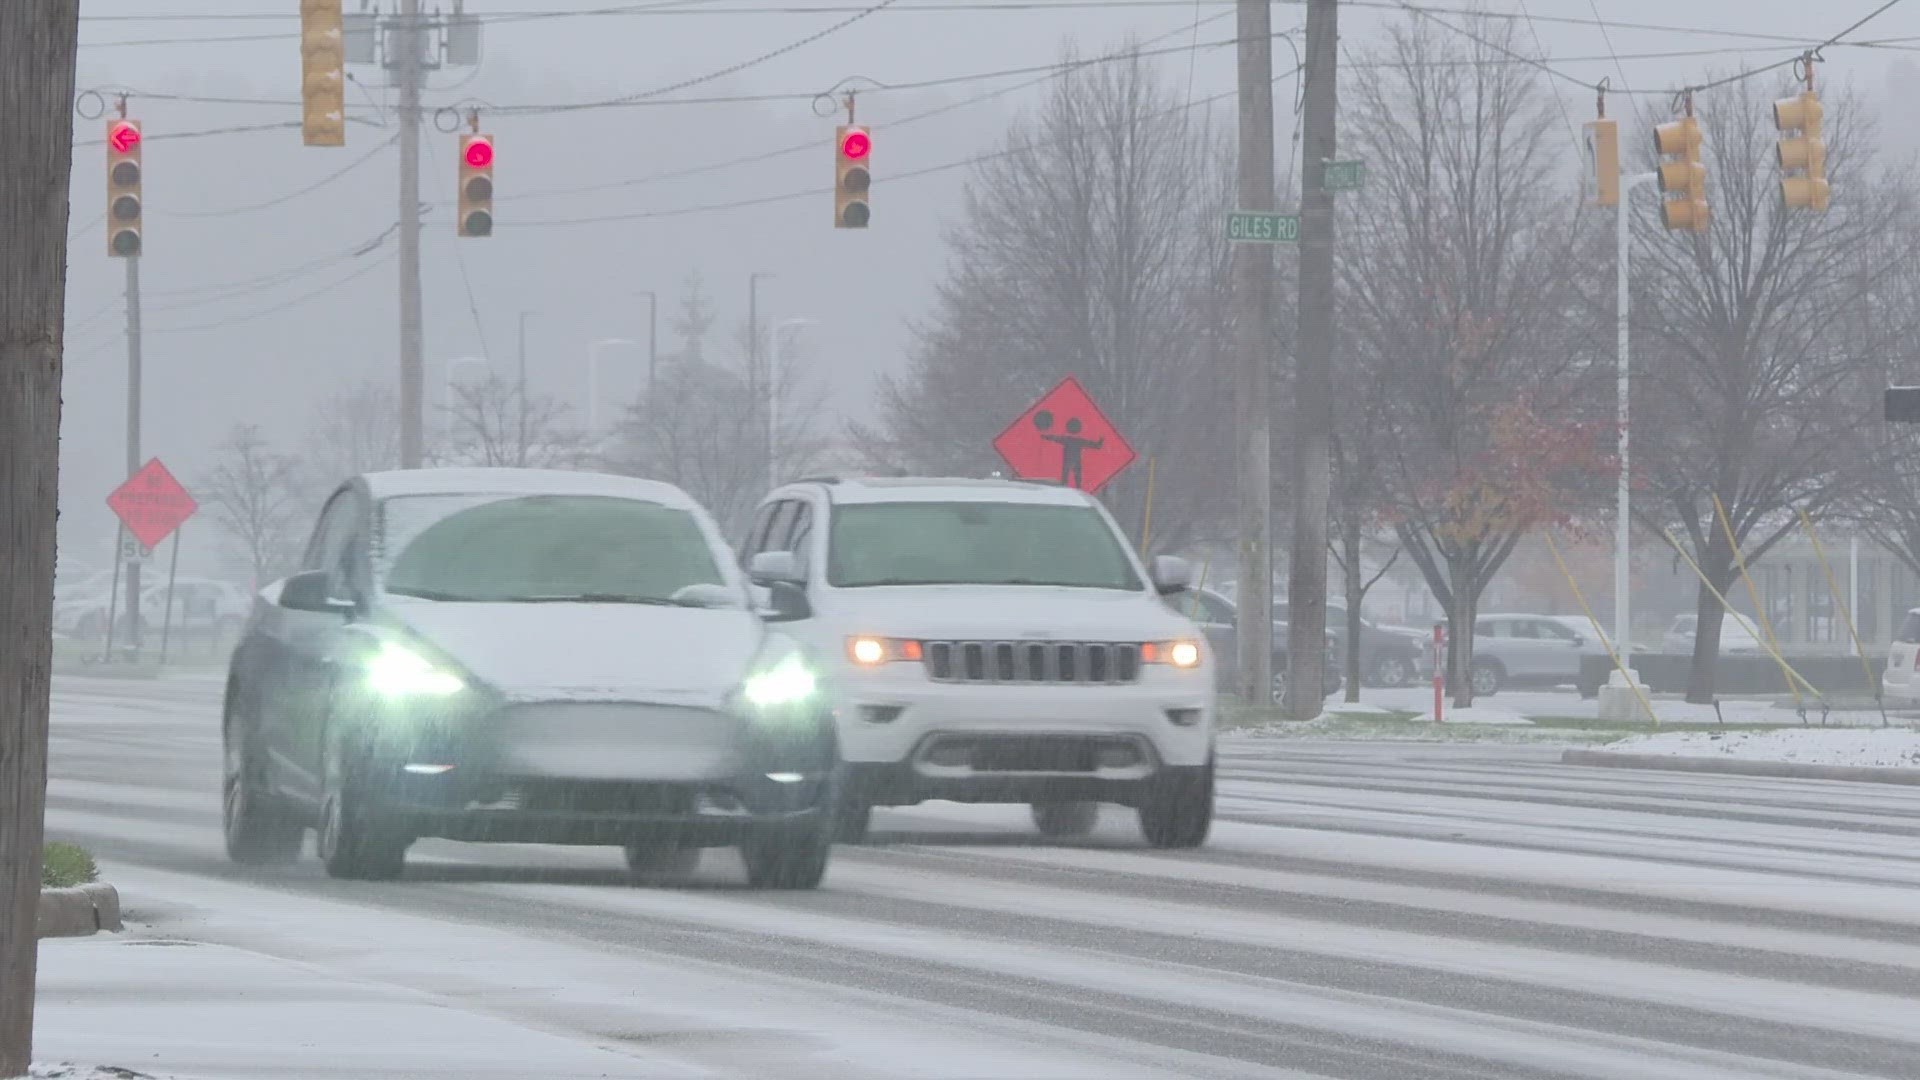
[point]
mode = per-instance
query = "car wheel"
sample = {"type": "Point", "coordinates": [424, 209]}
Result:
{"type": "Point", "coordinates": [852, 821]}
{"type": "Point", "coordinates": [261, 830]}
{"type": "Point", "coordinates": [662, 858]}
{"type": "Point", "coordinates": [1488, 678]}
{"type": "Point", "coordinates": [789, 857]}
{"type": "Point", "coordinates": [351, 842]}
{"type": "Point", "coordinates": [1392, 671]}
{"type": "Point", "coordinates": [1179, 811]}
{"type": "Point", "coordinates": [1065, 818]}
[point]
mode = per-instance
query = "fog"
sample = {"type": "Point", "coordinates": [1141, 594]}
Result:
{"type": "Point", "coordinates": [252, 315]}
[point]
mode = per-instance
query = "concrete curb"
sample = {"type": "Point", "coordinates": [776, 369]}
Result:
{"type": "Point", "coordinates": [78, 912]}
{"type": "Point", "coordinates": [1734, 767]}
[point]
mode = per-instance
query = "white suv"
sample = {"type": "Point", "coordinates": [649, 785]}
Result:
{"type": "Point", "coordinates": [991, 641]}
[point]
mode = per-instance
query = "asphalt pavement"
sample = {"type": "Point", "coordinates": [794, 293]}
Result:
{"type": "Point", "coordinates": [1413, 912]}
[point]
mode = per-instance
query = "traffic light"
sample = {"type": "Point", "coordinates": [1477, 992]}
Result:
{"type": "Point", "coordinates": [853, 151]}
{"type": "Point", "coordinates": [1603, 142]}
{"type": "Point", "coordinates": [123, 187]}
{"type": "Point", "coordinates": [1684, 181]}
{"type": "Point", "coordinates": [323, 76]}
{"type": "Point", "coordinates": [476, 185]}
{"type": "Point", "coordinates": [1803, 156]}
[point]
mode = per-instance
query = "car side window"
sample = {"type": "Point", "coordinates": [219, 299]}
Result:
{"type": "Point", "coordinates": [1214, 610]}
{"type": "Point", "coordinates": [1486, 628]}
{"type": "Point", "coordinates": [329, 534]}
{"type": "Point", "coordinates": [1525, 628]}
{"type": "Point", "coordinates": [780, 527]}
{"type": "Point", "coordinates": [1557, 631]}
{"type": "Point", "coordinates": [801, 529]}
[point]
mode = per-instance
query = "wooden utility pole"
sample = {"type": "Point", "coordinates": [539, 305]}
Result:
{"type": "Point", "coordinates": [409, 73]}
{"type": "Point", "coordinates": [1313, 379]}
{"type": "Point", "coordinates": [38, 41]}
{"type": "Point", "coordinates": [1253, 377]}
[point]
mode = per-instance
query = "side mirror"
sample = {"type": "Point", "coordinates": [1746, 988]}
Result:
{"type": "Point", "coordinates": [788, 602]}
{"type": "Point", "coordinates": [1171, 575]}
{"type": "Point", "coordinates": [771, 567]}
{"type": "Point", "coordinates": [313, 591]}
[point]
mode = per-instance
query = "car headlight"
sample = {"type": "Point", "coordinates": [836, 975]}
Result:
{"type": "Point", "coordinates": [396, 671]}
{"type": "Point", "coordinates": [789, 682]}
{"type": "Point", "coordinates": [1180, 653]}
{"type": "Point", "coordinates": [869, 651]}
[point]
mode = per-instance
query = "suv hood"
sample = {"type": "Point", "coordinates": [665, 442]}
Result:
{"type": "Point", "coordinates": [1005, 612]}
{"type": "Point", "coordinates": [591, 652]}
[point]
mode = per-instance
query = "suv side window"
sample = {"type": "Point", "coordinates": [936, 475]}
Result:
{"type": "Point", "coordinates": [801, 531]}
{"type": "Point", "coordinates": [329, 533]}
{"type": "Point", "coordinates": [757, 534]}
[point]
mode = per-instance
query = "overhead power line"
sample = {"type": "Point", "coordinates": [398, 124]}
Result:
{"type": "Point", "coordinates": [279, 200]}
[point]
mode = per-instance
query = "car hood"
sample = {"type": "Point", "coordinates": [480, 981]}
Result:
{"type": "Point", "coordinates": [1005, 612]}
{"type": "Point", "coordinates": [596, 652]}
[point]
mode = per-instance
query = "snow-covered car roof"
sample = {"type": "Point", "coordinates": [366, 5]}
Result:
{"type": "Point", "coordinates": [882, 489]}
{"type": "Point", "coordinates": [483, 481]}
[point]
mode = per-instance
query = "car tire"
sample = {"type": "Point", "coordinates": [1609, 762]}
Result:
{"type": "Point", "coordinates": [1065, 818]}
{"type": "Point", "coordinates": [852, 821]}
{"type": "Point", "coordinates": [351, 841]}
{"type": "Point", "coordinates": [789, 857]}
{"type": "Point", "coordinates": [1392, 671]}
{"type": "Point", "coordinates": [1488, 678]}
{"type": "Point", "coordinates": [1178, 812]}
{"type": "Point", "coordinates": [261, 830]}
{"type": "Point", "coordinates": [652, 859]}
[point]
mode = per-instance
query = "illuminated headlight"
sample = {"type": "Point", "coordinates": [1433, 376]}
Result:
{"type": "Point", "coordinates": [1180, 654]}
{"type": "Point", "coordinates": [399, 672]}
{"type": "Point", "coordinates": [788, 682]}
{"type": "Point", "coordinates": [867, 651]}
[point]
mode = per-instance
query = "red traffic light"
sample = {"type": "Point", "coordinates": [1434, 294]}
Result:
{"type": "Point", "coordinates": [480, 153]}
{"type": "Point", "coordinates": [856, 145]}
{"type": "Point", "coordinates": [123, 136]}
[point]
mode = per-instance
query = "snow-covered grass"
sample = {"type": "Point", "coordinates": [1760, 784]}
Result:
{"type": "Point", "coordinates": [1381, 727]}
{"type": "Point", "coordinates": [1878, 748]}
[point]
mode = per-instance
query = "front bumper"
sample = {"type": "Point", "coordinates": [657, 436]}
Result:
{"type": "Point", "coordinates": [561, 772]}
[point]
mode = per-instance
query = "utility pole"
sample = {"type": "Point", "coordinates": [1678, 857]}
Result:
{"type": "Point", "coordinates": [1313, 379]}
{"type": "Point", "coordinates": [520, 447]}
{"type": "Point", "coordinates": [753, 348]}
{"type": "Point", "coordinates": [408, 71]}
{"type": "Point", "coordinates": [133, 440]}
{"type": "Point", "coordinates": [1253, 378]}
{"type": "Point", "coordinates": [38, 43]}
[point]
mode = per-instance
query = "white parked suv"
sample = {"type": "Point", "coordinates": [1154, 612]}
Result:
{"type": "Point", "coordinates": [993, 641]}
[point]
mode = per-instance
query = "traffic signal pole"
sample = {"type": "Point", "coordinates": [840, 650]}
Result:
{"type": "Point", "coordinates": [1253, 377]}
{"type": "Point", "coordinates": [133, 445]}
{"type": "Point", "coordinates": [1623, 496]}
{"type": "Point", "coordinates": [412, 365]}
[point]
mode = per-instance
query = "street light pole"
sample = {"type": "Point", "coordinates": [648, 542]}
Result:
{"type": "Point", "coordinates": [1623, 526]}
{"type": "Point", "coordinates": [653, 341]}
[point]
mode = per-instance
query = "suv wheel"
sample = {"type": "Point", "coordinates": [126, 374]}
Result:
{"type": "Point", "coordinates": [1488, 678]}
{"type": "Point", "coordinates": [1179, 811]}
{"type": "Point", "coordinates": [350, 842]}
{"type": "Point", "coordinates": [789, 857]}
{"type": "Point", "coordinates": [260, 829]}
{"type": "Point", "coordinates": [657, 858]}
{"type": "Point", "coordinates": [1065, 818]}
{"type": "Point", "coordinates": [1392, 671]}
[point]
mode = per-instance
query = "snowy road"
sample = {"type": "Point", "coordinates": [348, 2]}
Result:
{"type": "Point", "coordinates": [1433, 912]}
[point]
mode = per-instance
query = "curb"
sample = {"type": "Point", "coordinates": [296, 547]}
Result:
{"type": "Point", "coordinates": [1733, 767]}
{"type": "Point", "coordinates": [78, 912]}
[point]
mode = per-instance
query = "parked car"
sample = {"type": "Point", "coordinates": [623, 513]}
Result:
{"type": "Point", "coordinates": [1527, 650]}
{"type": "Point", "coordinates": [200, 606]}
{"type": "Point", "coordinates": [1219, 620]}
{"type": "Point", "coordinates": [1901, 679]}
{"type": "Point", "coordinates": [1736, 638]}
{"type": "Point", "coordinates": [1387, 657]}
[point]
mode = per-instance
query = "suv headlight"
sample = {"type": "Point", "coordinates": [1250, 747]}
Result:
{"type": "Point", "coordinates": [1180, 653]}
{"type": "Point", "coordinates": [397, 671]}
{"type": "Point", "coordinates": [868, 651]}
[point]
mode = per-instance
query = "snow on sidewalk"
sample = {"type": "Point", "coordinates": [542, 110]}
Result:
{"type": "Point", "coordinates": [183, 1010]}
{"type": "Point", "coordinates": [1878, 748]}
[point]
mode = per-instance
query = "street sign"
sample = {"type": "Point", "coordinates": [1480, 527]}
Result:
{"type": "Point", "coordinates": [1343, 175]}
{"type": "Point", "coordinates": [1064, 436]}
{"type": "Point", "coordinates": [132, 552]}
{"type": "Point", "coordinates": [152, 504]}
{"type": "Point", "coordinates": [1257, 226]}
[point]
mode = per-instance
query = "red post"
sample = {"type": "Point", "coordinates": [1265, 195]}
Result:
{"type": "Point", "coordinates": [1439, 672]}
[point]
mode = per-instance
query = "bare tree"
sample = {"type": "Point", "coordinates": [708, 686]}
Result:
{"type": "Point", "coordinates": [1088, 246]}
{"type": "Point", "coordinates": [38, 40]}
{"type": "Point", "coordinates": [492, 423]}
{"type": "Point", "coordinates": [1462, 272]}
{"type": "Point", "coordinates": [1752, 339]}
{"type": "Point", "coordinates": [356, 430]}
{"type": "Point", "coordinates": [255, 495]}
{"type": "Point", "coordinates": [1358, 515]}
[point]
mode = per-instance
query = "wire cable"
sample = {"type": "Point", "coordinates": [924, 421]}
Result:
{"type": "Point", "coordinates": [280, 200]}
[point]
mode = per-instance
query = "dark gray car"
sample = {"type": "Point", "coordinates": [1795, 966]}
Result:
{"type": "Point", "coordinates": [1219, 620]}
{"type": "Point", "coordinates": [522, 656]}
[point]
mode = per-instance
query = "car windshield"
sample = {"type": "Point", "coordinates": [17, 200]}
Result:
{"type": "Point", "coordinates": [553, 548]}
{"type": "Point", "coordinates": [976, 543]}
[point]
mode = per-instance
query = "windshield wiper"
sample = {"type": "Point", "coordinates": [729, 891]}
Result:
{"type": "Point", "coordinates": [430, 594]}
{"type": "Point", "coordinates": [596, 598]}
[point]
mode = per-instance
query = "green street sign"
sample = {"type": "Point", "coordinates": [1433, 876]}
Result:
{"type": "Point", "coordinates": [1261, 227]}
{"type": "Point", "coordinates": [1344, 175]}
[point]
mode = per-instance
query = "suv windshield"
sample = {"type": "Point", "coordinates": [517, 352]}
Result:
{"type": "Point", "coordinates": [553, 548]}
{"type": "Point", "coordinates": [976, 543]}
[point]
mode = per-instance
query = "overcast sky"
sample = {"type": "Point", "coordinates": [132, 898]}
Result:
{"type": "Point", "coordinates": [254, 314]}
